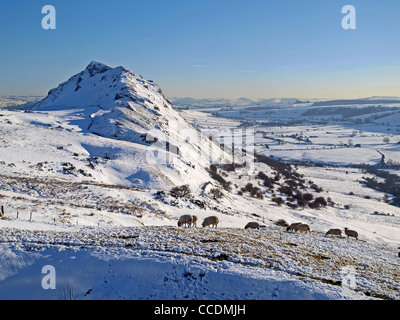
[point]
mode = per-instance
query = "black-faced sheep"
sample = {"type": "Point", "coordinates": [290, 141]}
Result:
{"type": "Point", "coordinates": [351, 233]}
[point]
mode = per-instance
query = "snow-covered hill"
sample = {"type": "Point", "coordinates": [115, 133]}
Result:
{"type": "Point", "coordinates": [117, 128]}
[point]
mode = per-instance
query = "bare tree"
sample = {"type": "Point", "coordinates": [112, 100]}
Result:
{"type": "Point", "coordinates": [386, 140]}
{"type": "Point", "coordinates": [216, 193]}
{"type": "Point", "coordinates": [350, 143]}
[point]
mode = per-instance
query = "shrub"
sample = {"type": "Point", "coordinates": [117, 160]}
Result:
{"type": "Point", "coordinates": [216, 193]}
{"type": "Point", "coordinates": [248, 187]}
{"type": "Point", "coordinates": [278, 201]}
{"type": "Point", "coordinates": [260, 195]}
{"type": "Point", "coordinates": [254, 191]}
{"type": "Point", "coordinates": [181, 191]}
{"type": "Point", "coordinates": [286, 190]}
{"type": "Point", "coordinates": [261, 175]}
{"type": "Point", "coordinates": [308, 197]}
{"type": "Point", "coordinates": [385, 198]}
{"type": "Point", "coordinates": [291, 205]}
{"type": "Point", "coordinates": [321, 201]}
{"type": "Point", "coordinates": [316, 188]}
{"type": "Point", "coordinates": [281, 222]}
{"type": "Point", "coordinates": [291, 183]}
{"type": "Point", "coordinates": [301, 202]}
{"type": "Point", "coordinates": [232, 166]}
{"type": "Point", "coordinates": [213, 168]}
{"type": "Point", "coordinates": [225, 184]}
{"type": "Point", "coordinates": [269, 183]}
{"type": "Point", "coordinates": [317, 203]}
{"type": "Point", "coordinates": [298, 195]}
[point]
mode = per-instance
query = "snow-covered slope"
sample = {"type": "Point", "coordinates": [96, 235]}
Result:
{"type": "Point", "coordinates": [156, 146]}
{"type": "Point", "coordinates": [183, 263]}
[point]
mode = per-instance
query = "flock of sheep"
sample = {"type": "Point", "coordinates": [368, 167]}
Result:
{"type": "Point", "coordinates": [301, 227]}
{"type": "Point", "coordinates": [191, 221]}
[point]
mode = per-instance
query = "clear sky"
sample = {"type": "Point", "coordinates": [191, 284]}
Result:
{"type": "Point", "coordinates": [207, 48]}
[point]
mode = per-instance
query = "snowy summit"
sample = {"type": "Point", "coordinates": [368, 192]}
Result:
{"type": "Point", "coordinates": [117, 104]}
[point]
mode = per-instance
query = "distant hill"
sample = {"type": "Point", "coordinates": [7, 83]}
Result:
{"type": "Point", "coordinates": [371, 100]}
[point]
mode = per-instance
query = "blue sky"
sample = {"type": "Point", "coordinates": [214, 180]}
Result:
{"type": "Point", "coordinates": [208, 48]}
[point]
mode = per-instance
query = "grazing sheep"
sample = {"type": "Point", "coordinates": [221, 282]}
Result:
{"type": "Point", "coordinates": [302, 228]}
{"type": "Point", "coordinates": [334, 232]}
{"type": "Point", "coordinates": [351, 233]}
{"type": "Point", "coordinates": [293, 226]}
{"type": "Point", "coordinates": [186, 219]}
{"type": "Point", "coordinates": [252, 225]}
{"type": "Point", "coordinates": [194, 221]}
{"type": "Point", "coordinates": [212, 220]}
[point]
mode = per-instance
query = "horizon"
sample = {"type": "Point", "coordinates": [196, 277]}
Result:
{"type": "Point", "coordinates": [209, 49]}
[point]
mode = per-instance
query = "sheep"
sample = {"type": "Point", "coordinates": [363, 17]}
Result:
{"type": "Point", "coordinates": [302, 228]}
{"type": "Point", "coordinates": [351, 233]}
{"type": "Point", "coordinates": [334, 232]}
{"type": "Point", "coordinates": [194, 221]}
{"type": "Point", "coordinates": [252, 225]}
{"type": "Point", "coordinates": [211, 220]}
{"type": "Point", "coordinates": [293, 226]}
{"type": "Point", "coordinates": [186, 219]}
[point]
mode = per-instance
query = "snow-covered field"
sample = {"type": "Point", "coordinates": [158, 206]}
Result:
{"type": "Point", "coordinates": [79, 194]}
{"type": "Point", "coordinates": [286, 132]}
{"type": "Point", "coordinates": [192, 263]}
